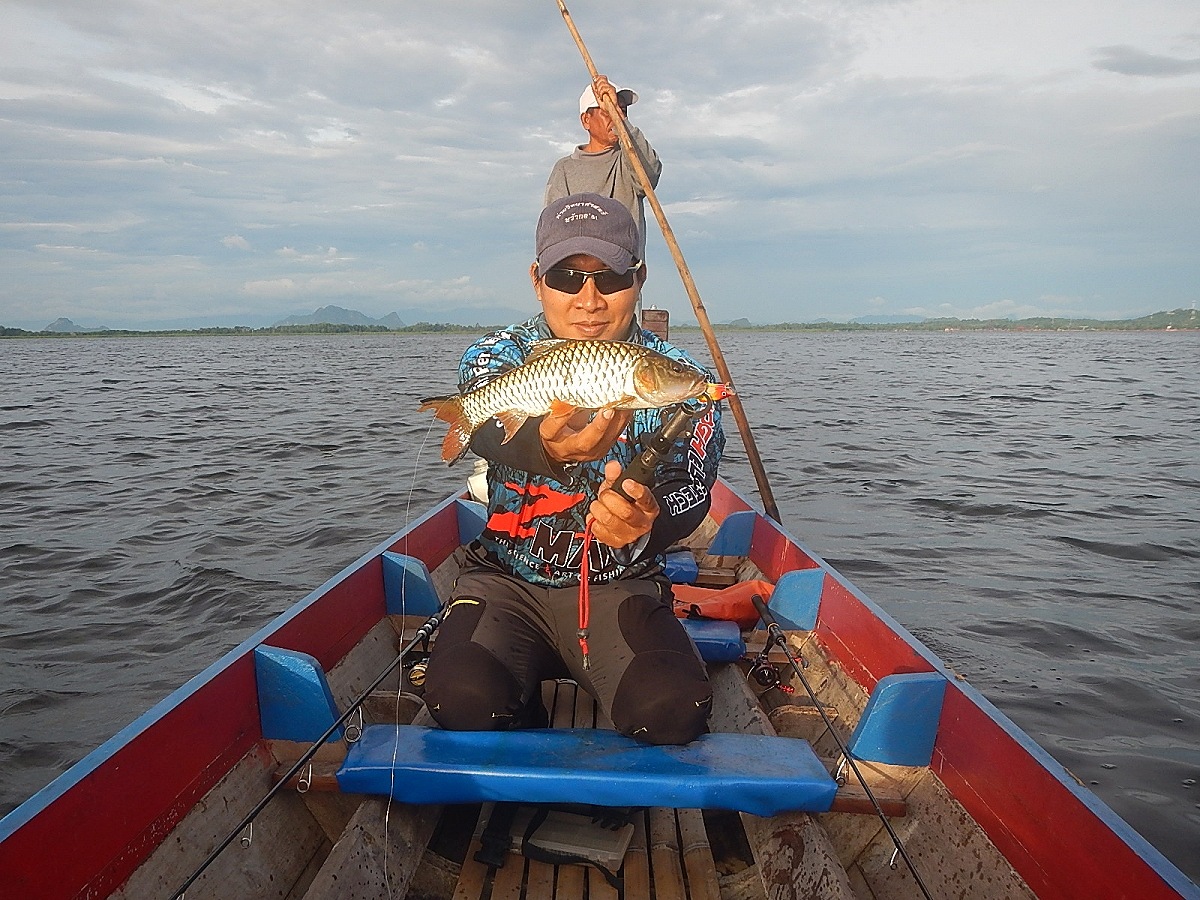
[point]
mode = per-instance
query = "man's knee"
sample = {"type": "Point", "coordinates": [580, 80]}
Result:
{"type": "Point", "coordinates": [468, 689]}
{"type": "Point", "coordinates": [663, 698]}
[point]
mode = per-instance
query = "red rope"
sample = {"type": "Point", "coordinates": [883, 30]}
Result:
{"type": "Point", "coordinates": [585, 609]}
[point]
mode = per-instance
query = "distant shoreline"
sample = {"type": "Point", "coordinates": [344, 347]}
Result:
{"type": "Point", "coordinates": [1167, 321]}
{"type": "Point", "coordinates": [243, 331]}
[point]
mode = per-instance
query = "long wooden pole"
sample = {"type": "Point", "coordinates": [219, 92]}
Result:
{"type": "Point", "coordinates": [735, 403]}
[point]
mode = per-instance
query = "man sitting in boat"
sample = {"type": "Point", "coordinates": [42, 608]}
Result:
{"type": "Point", "coordinates": [600, 165]}
{"type": "Point", "coordinates": [518, 614]}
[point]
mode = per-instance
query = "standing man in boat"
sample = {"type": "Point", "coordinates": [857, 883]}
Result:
{"type": "Point", "coordinates": [600, 166]}
{"type": "Point", "coordinates": [517, 611]}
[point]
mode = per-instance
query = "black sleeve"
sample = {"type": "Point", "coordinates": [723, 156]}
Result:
{"type": "Point", "coordinates": [671, 529]}
{"type": "Point", "coordinates": [525, 451]}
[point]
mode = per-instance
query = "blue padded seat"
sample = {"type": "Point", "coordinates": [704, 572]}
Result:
{"type": "Point", "coordinates": [900, 723]}
{"type": "Point", "coordinates": [745, 772]}
{"type": "Point", "coordinates": [681, 567]}
{"type": "Point", "coordinates": [718, 641]}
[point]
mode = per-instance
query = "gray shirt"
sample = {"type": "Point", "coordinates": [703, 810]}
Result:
{"type": "Point", "coordinates": [609, 174]}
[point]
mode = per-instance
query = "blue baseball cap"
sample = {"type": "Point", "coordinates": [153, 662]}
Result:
{"type": "Point", "coordinates": [591, 224]}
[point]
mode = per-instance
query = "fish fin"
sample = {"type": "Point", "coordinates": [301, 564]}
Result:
{"type": "Point", "coordinates": [448, 408]}
{"type": "Point", "coordinates": [627, 401]}
{"type": "Point", "coordinates": [561, 407]}
{"type": "Point", "coordinates": [458, 438]}
{"type": "Point", "coordinates": [541, 348]}
{"type": "Point", "coordinates": [511, 420]}
{"type": "Point", "coordinates": [457, 442]}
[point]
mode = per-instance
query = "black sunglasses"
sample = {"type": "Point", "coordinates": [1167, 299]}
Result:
{"type": "Point", "coordinates": [571, 281]}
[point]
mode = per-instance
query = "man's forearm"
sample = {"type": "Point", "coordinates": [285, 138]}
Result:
{"type": "Point", "coordinates": [525, 451]}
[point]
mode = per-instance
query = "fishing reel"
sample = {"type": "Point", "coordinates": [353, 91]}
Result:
{"type": "Point", "coordinates": [414, 664]}
{"type": "Point", "coordinates": [678, 427]}
{"type": "Point", "coordinates": [415, 671]}
{"type": "Point", "coordinates": [766, 674]}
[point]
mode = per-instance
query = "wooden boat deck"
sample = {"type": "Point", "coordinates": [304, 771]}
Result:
{"type": "Point", "coordinates": [669, 858]}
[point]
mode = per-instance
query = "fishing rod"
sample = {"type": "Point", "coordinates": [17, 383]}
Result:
{"type": "Point", "coordinates": [424, 633]}
{"type": "Point", "coordinates": [776, 636]}
{"type": "Point", "coordinates": [689, 284]}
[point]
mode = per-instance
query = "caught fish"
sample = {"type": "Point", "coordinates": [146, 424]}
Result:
{"type": "Point", "coordinates": [560, 373]}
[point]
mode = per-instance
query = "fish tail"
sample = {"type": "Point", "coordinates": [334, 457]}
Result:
{"type": "Point", "coordinates": [458, 438]}
{"type": "Point", "coordinates": [446, 408]}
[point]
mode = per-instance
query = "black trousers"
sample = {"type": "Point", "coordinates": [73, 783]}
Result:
{"type": "Point", "coordinates": [503, 636]}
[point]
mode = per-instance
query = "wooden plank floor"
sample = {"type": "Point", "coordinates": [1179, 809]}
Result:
{"type": "Point", "coordinates": [669, 857]}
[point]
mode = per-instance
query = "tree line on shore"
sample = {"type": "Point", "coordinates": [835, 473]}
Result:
{"type": "Point", "coordinates": [317, 328]}
{"type": "Point", "coordinates": [1172, 320]}
{"type": "Point", "coordinates": [1166, 320]}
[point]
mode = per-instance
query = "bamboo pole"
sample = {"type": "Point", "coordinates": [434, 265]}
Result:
{"type": "Point", "coordinates": [735, 403]}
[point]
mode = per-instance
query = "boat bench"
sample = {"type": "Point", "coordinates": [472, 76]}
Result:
{"type": "Point", "coordinates": [743, 772]}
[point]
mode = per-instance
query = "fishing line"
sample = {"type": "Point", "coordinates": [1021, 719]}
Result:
{"type": "Point", "coordinates": [387, 812]}
{"type": "Point", "coordinates": [775, 635]}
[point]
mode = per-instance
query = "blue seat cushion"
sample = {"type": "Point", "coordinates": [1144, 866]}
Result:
{"type": "Point", "coordinates": [681, 567]}
{"type": "Point", "coordinates": [745, 772]}
{"type": "Point", "coordinates": [718, 641]}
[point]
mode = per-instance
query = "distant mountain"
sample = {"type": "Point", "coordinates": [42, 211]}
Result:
{"type": "Point", "coordinates": [740, 323]}
{"type": "Point", "coordinates": [887, 320]}
{"type": "Point", "coordinates": [66, 326]}
{"type": "Point", "coordinates": [467, 315]}
{"type": "Point", "coordinates": [337, 315]}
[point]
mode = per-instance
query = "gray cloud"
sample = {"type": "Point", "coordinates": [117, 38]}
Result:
{"type": "Point", "coordinates": [1126, 60]}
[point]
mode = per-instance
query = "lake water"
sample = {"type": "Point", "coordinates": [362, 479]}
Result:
{"type": "Point", "coordinates": [1026, 504]}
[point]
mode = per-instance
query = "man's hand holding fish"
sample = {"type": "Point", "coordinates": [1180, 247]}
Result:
{"type": "Point", "coordinates": [572, 435]}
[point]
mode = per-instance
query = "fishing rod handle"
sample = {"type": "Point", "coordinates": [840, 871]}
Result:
{"type": "Point", "coordinates": [764, 613]}
{"type": "Point", "coordinates": [641, 469]}
{"type": "Point", "coordinates": [428, 628]}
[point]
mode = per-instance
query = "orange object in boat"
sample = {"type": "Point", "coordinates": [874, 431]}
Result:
{"type": "Point", "coordinates": [732, 604]}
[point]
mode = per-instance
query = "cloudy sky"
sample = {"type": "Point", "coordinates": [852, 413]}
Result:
{"type": "Point", "coordinates": [188, 163]}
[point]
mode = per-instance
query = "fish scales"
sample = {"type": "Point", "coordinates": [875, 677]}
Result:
{"type": "Point", "coordinates": [586, 374]}
{"type": "Point", "coordinates": [582, 374]}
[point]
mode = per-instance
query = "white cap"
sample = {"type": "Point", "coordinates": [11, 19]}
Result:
{"type": "Point", "coordinates": [587, 100]}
